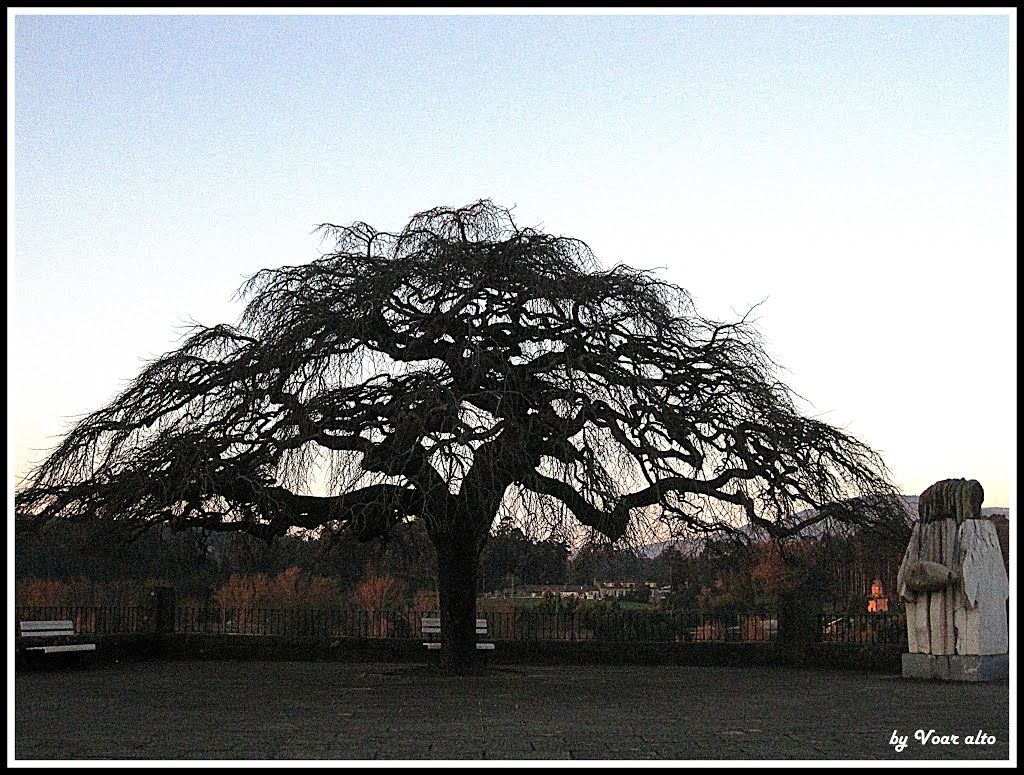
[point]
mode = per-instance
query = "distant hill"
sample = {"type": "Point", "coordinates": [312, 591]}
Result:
{"type": "Point", "coordinates": [650, 551]}
{"type": "Point", "coordinates": [691, 545]}
{"type": "Point", "coordinates": [986, 511]}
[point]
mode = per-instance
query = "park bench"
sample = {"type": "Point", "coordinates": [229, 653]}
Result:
{"type": "Point", "coordinates": [431, 626]}
{"type": "Point", "coordinates": [50, 637]}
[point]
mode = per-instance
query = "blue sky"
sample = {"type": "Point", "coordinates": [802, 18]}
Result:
{"type": "Point", "coordinates": [850, 173]}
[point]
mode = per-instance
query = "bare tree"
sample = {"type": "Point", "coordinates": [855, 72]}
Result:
{"type": "Point", "coordinates": [459, 370]}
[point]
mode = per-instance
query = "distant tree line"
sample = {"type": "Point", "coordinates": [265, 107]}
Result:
{"type": "Point", "coordinates": [825, 572]}
{"type": "Point", "coordinates": [95, 564]}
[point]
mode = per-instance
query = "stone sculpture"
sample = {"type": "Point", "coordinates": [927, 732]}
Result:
{"type": "Point", "coordinates": [953, 582]}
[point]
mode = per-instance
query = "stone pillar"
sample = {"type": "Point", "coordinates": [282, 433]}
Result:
{"type": "Point", "coordinates": [954, 587]}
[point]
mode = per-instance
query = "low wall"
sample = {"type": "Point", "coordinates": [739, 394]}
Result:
{"type": "Point", "coordinates": [825, 655]}
{"type": "Point", "coordinates": [880, 657]}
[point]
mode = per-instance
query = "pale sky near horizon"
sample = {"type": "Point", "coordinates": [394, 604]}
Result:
{"type": "Point", "coordinates": [851, 173]}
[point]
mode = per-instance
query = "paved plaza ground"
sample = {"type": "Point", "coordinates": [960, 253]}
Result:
{"type": "Point", "coordinates": [210, 710]}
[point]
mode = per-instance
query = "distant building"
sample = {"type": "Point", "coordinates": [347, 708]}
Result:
{"type": "Point", "coordinates": [535, 591]}
{"type": "Point", "coordinates": [530, 591]}
{"type": "Point", "coordinates": [877, 602]}
{"type": "Point", "coordinates": [601, 590]}
{"type": "Point", "coordinates": [580, 593]}
{"type": "Point", "coordinates": [620, 589]}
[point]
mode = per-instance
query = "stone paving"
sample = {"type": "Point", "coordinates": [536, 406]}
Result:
{"type": "Point", "coordinates": [243, 710]}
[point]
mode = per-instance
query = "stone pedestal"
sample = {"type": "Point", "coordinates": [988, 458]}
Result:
{"type": "Point", "coordinates": [957, 667]}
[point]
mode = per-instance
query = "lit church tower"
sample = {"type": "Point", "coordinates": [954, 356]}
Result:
{"type": "Point", "coordinates": [878, 602]}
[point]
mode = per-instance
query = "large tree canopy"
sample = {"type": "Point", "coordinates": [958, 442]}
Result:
{"type": "Point", "coordinates": [460, 367]}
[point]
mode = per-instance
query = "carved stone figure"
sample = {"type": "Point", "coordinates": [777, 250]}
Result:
{"type": "Point", "coordinates": [952, 579]}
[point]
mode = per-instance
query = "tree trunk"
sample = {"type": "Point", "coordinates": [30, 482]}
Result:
{"type": "Point", "coordinates": [799, 609]}
{"type": "Point", "coordinates": [458, 561]}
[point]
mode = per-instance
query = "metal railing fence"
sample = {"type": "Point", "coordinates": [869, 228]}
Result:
{"type": "Point", "coordinates": [515, 625]}
{"type": "Point", "coordinates": [89, 620]}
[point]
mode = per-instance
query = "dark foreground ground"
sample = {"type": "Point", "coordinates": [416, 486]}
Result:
{"type": "Point", "coordinates": [172, 710]}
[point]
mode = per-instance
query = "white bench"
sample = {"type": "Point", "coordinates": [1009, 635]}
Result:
{"type": "Point", "coordinates": [54, 630]}
{"type": "Point", "coordinates": [431, 625]}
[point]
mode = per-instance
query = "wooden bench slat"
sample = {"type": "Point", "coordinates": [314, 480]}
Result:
{"type": "Point", "coordinates": [61, 649]}
{"type": "Point", "coordinates": [481, 624]}
{"type": "Point", "coordinates": [56, 634]}
{"type": "Point", "coordinates": [481, 646]}
{"type": "Point", "coordinates": [54, 626]}
{"type": "Point", "coordinates": [431, 625]}
{"type": "Point", "coordinates": [62, 629]}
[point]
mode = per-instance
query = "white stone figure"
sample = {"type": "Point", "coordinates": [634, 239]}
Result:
{"type": "Point", "coordinates": [980, 614]}
{"type": "Point", "coordinates": [952, 579]}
